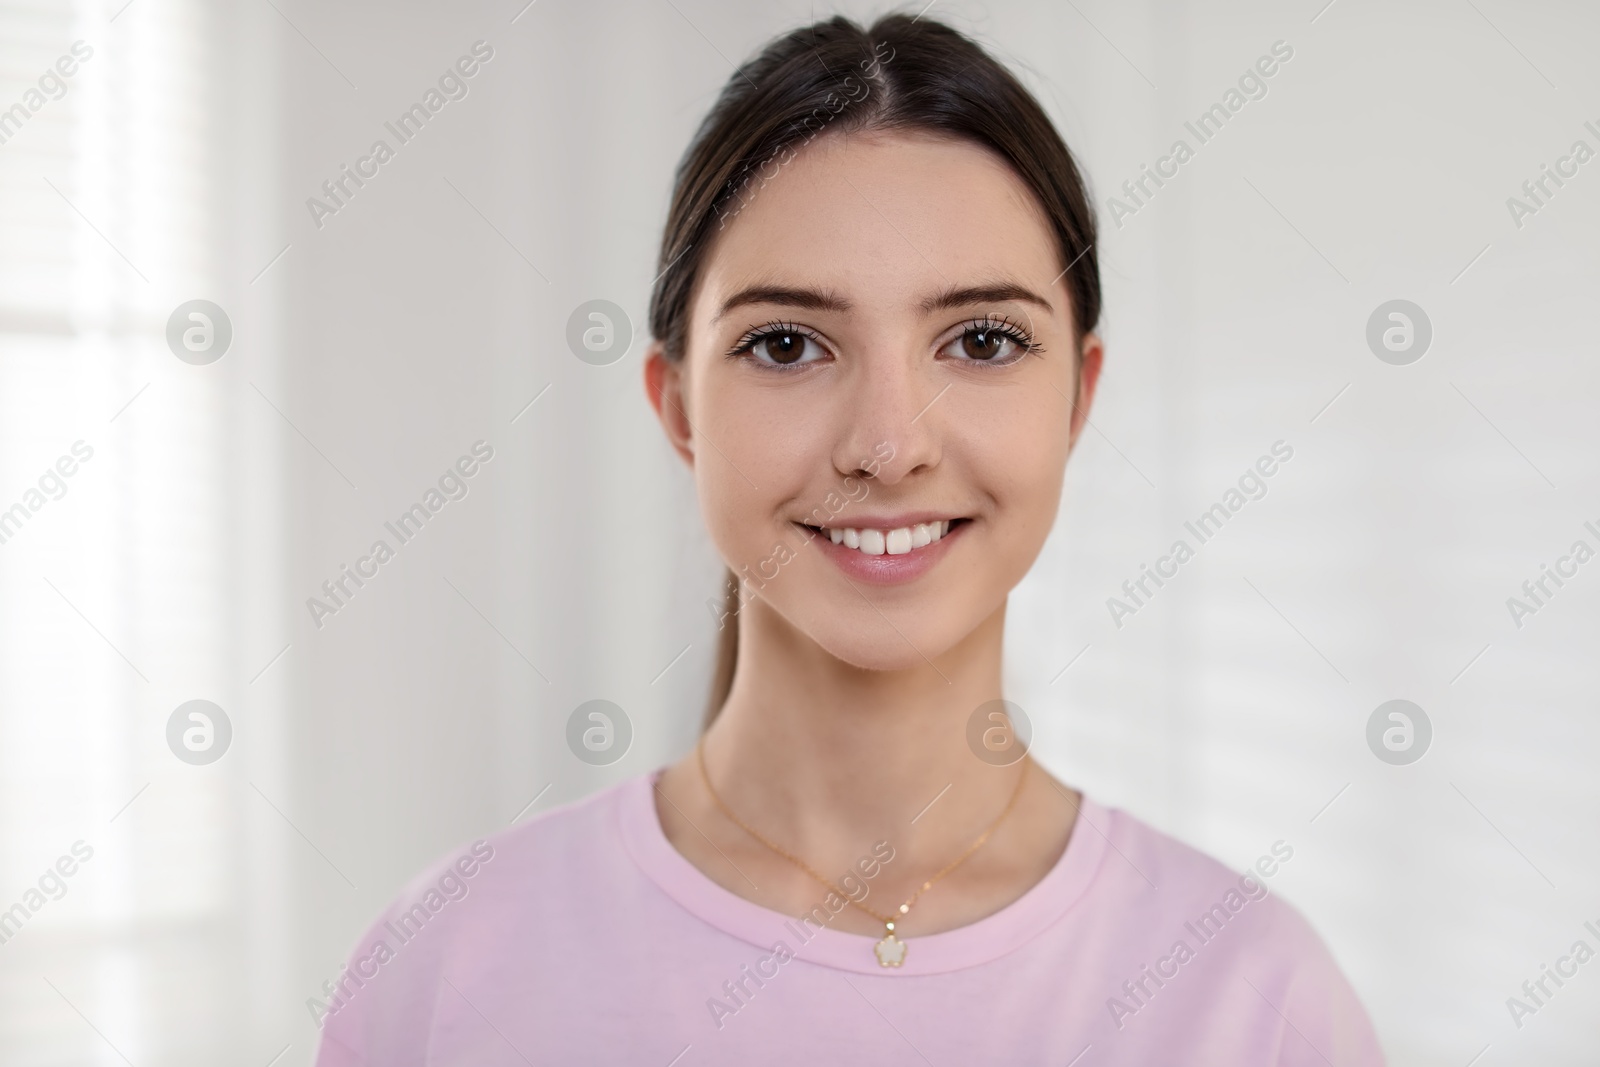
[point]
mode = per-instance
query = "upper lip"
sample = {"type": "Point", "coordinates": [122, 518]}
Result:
{"type": "Point", "coordinates": [886, 522]}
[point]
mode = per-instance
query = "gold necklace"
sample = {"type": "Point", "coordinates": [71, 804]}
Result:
{"type": "Point", "coordinates": [891, 951]}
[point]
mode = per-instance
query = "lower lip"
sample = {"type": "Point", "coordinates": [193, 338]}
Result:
{"type": "Point", "coordinates": [887, 569]}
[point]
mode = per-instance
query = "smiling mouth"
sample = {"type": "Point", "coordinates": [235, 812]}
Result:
{"type": "Point", "coordinates": [896, 542]}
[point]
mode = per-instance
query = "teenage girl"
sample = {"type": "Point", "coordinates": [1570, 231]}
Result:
{"type": "Point", "coordinates": [874, 349]}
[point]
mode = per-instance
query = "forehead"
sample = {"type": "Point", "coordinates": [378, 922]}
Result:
{"type": "Point", "coordinates": [884, 219]}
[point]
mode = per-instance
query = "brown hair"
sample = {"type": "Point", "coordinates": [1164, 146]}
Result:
{"type": "Point", "coordinates": [901, 73]}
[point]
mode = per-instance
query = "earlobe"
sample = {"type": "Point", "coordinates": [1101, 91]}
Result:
{"type": "Point", "coordinates": [663, 384]}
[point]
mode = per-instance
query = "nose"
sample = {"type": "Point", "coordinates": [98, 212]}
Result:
{"type": "Point", "coordinates": [891, 418]}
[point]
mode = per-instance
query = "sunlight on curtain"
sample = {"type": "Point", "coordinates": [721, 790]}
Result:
{"type": "Point", "coordinates": [116, 859]}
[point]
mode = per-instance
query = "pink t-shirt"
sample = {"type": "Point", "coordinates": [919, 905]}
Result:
{"type": "Point", "coordinates": [583, 937]}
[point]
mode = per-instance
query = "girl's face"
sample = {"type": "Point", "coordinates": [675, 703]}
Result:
{"type": "Point", "coordinates": [877, 393]}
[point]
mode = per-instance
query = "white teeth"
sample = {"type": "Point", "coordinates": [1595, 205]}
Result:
{"type": "Point", "coordinates": [896, 542]}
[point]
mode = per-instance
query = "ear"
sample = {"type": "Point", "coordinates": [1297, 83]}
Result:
{"type": "Point", "coordinates": [1092, 356]}
{"type": "Point", "coordinates": [663, 384]}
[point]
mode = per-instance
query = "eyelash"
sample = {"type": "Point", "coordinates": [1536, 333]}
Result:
{"type": "Point", "coordinates": [999, 324]}
{"type": "Point", "coordinates": [748, 342]}
{"type": "Point", "coordinates": [1014, 332]}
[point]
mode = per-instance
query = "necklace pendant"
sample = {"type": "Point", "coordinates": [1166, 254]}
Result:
{"type": "Point", "coordinates": [891, 951]}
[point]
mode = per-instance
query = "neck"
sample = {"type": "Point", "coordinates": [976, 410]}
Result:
{"type": "Point", "coordinates": [829, 757]}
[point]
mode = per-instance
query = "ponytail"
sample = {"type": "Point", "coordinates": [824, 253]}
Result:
{"type": "Point", "coordinates": [727, 651]}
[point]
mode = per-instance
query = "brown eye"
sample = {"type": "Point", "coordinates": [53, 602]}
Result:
{"type": "Point", "coordinates": [785, 347]}
{"type": "Point", "coordinates": [983, 344]}
{"type": "Point", "coordinates": [992, 343]}
{"type": "Point", "coordinates": [779, 346]}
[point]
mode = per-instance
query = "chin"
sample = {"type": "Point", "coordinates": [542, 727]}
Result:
{"type": "Point", "coordinates": [865, 639]}
{"type": "Point", "coordinates": [887, 627]}
{"type": "Point", "coordinates": [875, 652]}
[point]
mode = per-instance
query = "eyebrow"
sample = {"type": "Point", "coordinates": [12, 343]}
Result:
{"type": "Point", "coordinates": [826, 300]}
{"type": "Point", "coordinates": [962, 296]}
{"type": "Point", "coordinates": [788, 296]}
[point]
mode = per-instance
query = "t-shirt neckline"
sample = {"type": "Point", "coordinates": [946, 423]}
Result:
{"type": "Point", "coordinates": [977, 943]}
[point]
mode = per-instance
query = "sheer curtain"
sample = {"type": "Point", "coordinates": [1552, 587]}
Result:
{"type": "Point", "coordinates": [131, 571]}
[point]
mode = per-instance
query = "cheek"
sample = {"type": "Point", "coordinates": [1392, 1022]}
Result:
{"type": "Point", "coordinates": [1015, 444]}
{"type": "Point", "coordinates": [1046, 475]}
{"type": "Point", "coordinates": [757, 451]}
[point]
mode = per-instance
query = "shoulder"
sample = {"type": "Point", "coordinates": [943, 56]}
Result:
{"type": "Point", "coordinates": [1164, 877]}
{"type": "Point", "coordinates": [548, 848]}
{"type": "Point", "coordinates": [464, 913]}
{"type": "Point", "coordinates": [1265, 967]}
{"type": "Point", "coordinates": [538, 860]}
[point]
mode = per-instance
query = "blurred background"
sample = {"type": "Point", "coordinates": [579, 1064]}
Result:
{"type": "Point", "coordinates": [348, 355]}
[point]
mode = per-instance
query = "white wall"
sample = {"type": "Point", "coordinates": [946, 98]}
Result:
{"type": "Point", "coordinates": [426, 313]}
